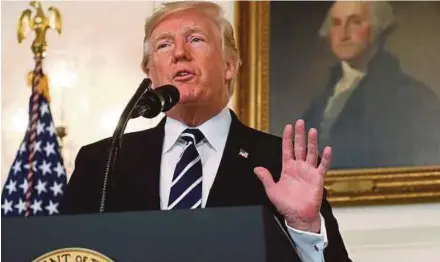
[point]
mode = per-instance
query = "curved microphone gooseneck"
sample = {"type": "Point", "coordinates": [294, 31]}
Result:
{"type": "Point", "coordinates": [145, 102]}
{"type": "Point", "coordinates": [116, 141]}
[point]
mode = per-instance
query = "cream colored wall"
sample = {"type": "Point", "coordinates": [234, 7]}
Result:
{"type": "Point", "coordinates": [403, 233]}
{"type": "Point", "coordinates": [94, 70]}
{"type": "Point", "coordinates": [93, 67]}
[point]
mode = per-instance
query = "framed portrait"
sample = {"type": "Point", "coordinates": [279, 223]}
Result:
{"type": "Point", "coordinates": [366, 75]}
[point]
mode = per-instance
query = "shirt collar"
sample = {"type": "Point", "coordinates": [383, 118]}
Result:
{"type": "Point", "coordinates": [350, 72]}
{"type": "Point", "coordinates": [215, 130]}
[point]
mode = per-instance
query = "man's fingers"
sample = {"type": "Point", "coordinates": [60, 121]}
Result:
{"type": "Point", "coordinates": [326, 159]}
{"type": "Point", "coordinates": [265, 177]}
{"type": "Point", "coordinates": [312, 147]}
{"type": "Point", "coordinates": [300, 144]}
{"type": "Point", "coordinates": [287, 143]}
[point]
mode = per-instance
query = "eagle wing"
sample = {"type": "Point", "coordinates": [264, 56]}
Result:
{"type": "Point", "coordinates": [24, 25]}
{"type": "Point", "coordinates": [55, 21]}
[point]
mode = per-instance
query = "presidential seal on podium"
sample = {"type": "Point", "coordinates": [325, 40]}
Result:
{"type": "Point", "coordinates": [73, 255]}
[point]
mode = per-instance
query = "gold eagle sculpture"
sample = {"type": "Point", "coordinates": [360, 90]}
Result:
{"type": "Point", "coordinates": [40, 23]}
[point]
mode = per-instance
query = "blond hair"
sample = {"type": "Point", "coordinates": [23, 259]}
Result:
{"type": "Point", "coordinates": [213, 11]}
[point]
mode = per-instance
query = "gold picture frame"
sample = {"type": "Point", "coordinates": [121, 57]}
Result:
{"type": "Point", "coordinates": [346, 187]}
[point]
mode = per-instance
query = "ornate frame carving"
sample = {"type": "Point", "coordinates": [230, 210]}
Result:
{"type": "Point", "coordinates": [348, 187]}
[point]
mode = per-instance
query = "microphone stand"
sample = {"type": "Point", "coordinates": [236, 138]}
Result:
{"type": "Point", "coordinates": [116, 141]}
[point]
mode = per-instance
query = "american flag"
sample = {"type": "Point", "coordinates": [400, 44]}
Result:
{"type": "Point", "coordinates": [48, 180]}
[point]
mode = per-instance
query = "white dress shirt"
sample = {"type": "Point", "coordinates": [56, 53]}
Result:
{"type": "Point", "coordinates": [343, 90]}
{"type": "Point", "coordinates": [309, 246]}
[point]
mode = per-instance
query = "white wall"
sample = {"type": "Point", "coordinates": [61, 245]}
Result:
{"type": "Point", "coordinates": [401, 233]}
{"type": "Point", "coordinates": [93, 68]}
{"type": "Point", "coordinates": [100, 52]}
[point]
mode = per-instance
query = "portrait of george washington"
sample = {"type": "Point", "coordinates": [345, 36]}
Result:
{"type": "Point", "coordinates": [365, 74]}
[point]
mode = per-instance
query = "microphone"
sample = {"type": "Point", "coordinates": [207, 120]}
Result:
{"type": "Point", "coordinates": [116, 141]}
{"type": "Point", "coordinates": [143, 88]}
{"type": "Point", "coordinates": [146, 102]}
{"type": "Point", "coordinates": [156, 101]}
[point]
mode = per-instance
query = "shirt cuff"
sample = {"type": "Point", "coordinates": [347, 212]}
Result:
{"type": "Point", "coordinates": [310, 246]}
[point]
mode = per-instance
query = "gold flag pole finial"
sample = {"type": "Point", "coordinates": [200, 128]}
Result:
{"type": "Point", "coordinates": [40, 23]}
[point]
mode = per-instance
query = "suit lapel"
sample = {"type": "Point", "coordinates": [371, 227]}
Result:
{"type": "Point", "coordinates": [139, 174]}
{"type": "Point", "coordinates": [226, 190]}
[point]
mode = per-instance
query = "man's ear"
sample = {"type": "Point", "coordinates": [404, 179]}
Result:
{"type": "Point", "coordinates": [231, 69]}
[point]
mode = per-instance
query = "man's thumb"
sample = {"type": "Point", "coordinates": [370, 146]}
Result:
{"type": "Point", "coordinates": [265, 177]}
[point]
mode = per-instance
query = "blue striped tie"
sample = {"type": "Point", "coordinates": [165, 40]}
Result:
{"type": "Point", "coordinates": [186, 188]}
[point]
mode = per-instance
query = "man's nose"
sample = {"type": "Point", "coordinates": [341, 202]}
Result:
{"type": "Point", "coordinates": [345, 33]}
{"type": "Point", "coordinates": [181, 52]}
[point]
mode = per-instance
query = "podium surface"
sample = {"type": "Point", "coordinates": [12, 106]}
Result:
{"type": "Point", "coordinates": [212, 234]}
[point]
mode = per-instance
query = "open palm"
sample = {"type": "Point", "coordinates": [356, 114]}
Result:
{"type": "Point", "coordinates": [298, 193]}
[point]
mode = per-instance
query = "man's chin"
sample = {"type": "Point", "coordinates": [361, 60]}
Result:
{"type": "Point", "coordinates": [188, 100]}
{"type": "Point", "coordinates": [348, 56]}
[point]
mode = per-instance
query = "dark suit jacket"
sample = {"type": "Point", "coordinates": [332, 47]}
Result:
{"type": "Point", "coordinates": [390, 119]}
{"type": "Point", "coordinates": [138, 170]}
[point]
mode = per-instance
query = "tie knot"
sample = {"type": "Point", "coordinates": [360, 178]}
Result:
{"type": "Point", "coordinates": [192, 135]}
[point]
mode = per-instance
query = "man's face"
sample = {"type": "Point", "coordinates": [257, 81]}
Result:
{"type": "Point", "coordinates": [350, 29]}
{"type": "Point", "coordinates": [186, 51]}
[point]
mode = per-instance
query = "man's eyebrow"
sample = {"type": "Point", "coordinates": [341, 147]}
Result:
{"type": "Point", "coordinates": [348, 18]}
{"type": "Point", "coordinates": [165, 35]}
{"type": "Point", "coordinates": [169, 35]}
{"type": "Point", "coordinates": [195, 29]}
{"type": "Point", "coordinates": [354, 16]}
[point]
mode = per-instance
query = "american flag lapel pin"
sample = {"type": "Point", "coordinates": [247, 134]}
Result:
{"type": "Point", "coordinates": [243, 153]}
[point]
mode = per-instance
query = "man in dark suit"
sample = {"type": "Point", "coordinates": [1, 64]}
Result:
{"type": "Point", "coordinates": [372, 113]}
{"type": "Point", "coordinates": [200, 155]}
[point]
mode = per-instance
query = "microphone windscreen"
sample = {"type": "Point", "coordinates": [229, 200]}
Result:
{"type": "Point", "coordinates": [158, 100]}
{"type": "Point", "coordinates": [170, 95]}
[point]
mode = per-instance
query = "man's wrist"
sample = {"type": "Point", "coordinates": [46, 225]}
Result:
{"type": "Point", "coordinates": [313, 226]}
